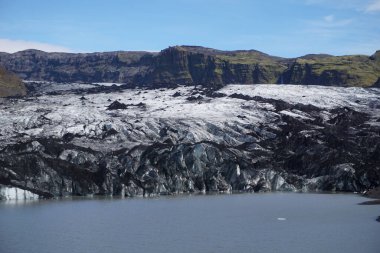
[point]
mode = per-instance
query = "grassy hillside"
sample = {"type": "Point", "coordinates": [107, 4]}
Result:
{"type": "Point", "coordinates": [10, 84]}
{"type": "Point", "coordinates": [355, 70]}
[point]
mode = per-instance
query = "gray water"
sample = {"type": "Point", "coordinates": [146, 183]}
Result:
{"type": "Point", "coordinates": [220, 223]}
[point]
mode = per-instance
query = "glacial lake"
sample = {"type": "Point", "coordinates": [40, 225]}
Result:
{"type": "Point", "coordinates": [270, 222]}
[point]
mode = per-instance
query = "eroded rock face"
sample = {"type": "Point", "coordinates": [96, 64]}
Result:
{"type": "Point", "coordinates": [248, 138]}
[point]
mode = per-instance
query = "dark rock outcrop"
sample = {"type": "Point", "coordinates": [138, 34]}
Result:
{"type": "Point", "coordinates": [373, 193]}
{"type": "Point", "coordinates": [377, 84]}
{"type": "Point", "coordinates": [117, 105]}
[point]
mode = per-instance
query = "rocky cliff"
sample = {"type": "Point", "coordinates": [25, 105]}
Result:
{"type": "Point", "coordinates": [193, 65]}
{"type": "Point", "coordinates": [65, 67]}
{"type": "Point", "coordinates": [174, 140]}
{"type": "Point", "coordinates": [350, 70]}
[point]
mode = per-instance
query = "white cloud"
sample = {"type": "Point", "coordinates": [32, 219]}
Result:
{"type": "Point", "coordinates": [12, 46]}
{"type": "Point", "coordinates": [328, 27]}
{"type": "Point", "coordinates": [329, 18]}
{"type": "Point", "coordinates": [373, 6]}
{"type": "Point", "coordinates": [330, 21]}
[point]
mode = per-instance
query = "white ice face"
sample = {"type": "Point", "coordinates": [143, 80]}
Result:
{"type": "Point", "coordinates": [57, 115]}
{"type": "Point", "coordinates": [13, 193]}
{"type": "Point", "coordinates": [237, 115]}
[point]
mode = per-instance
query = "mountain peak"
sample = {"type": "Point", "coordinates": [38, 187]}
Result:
{"type": "Point", "coordinates": [194, 49]}
{"type": "Point", "coordinates": [31, 51]}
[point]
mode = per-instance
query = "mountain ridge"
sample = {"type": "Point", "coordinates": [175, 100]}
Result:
{"type": "Point", "coordinates": [192, 65]}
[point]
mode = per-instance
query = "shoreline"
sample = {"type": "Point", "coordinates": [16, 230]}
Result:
{"type": "Point", "coordinates": [375, 195]}
{"type": "Point", "coordinates": [183, 194]}
{"type": "Point", "coordinates": [372, 194]}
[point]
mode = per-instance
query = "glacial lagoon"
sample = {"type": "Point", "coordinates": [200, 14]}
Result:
{"type": "Point", "coordinates": [268, 222]}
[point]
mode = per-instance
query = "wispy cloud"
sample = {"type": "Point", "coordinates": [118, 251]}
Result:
{"type": "Point", "coordinates": [328, 26]}
{"type": "Point", "coordinates": [338, 4]}
{"type": "Point", "coordinates": [329, 18]}
{"type": "Point", "coordinates": [332, 21]}
{"type": "Point", "coordinates": [374, 6]}
{"type": "Point", "coordinates": [357, 5]}
{"type": "Point", "coordinates": [12, 46]}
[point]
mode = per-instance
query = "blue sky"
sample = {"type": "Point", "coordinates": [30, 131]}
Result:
{"type": "Point", "coordinates": [285, 28]}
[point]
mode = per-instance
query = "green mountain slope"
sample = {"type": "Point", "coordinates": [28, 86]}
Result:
{"type": "Point", "coordinates": [357, 70]}
{"type": "Point", "coordinates": [10, 84]}
{"type": "Point", "coordinates": [192, 65]}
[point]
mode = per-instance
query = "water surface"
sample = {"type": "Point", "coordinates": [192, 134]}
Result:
{"type": "Point", "coordinates": [274, 222]}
